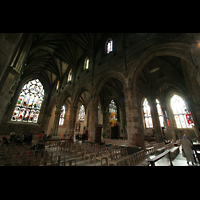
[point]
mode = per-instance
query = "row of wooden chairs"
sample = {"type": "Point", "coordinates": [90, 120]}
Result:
{"type": "Point", "coordinates": [28, 158]}
{"type": "Point", "coordinates": [117, 142]}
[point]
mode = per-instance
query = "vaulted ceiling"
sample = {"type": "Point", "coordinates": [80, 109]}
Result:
{"type": "Point", "coordinates": [51, 53]}
{"type": "Point", "coordinates": [161, 74]}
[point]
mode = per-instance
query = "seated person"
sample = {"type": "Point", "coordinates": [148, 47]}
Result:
{"type": "Point", "coordinates": [4, 141]}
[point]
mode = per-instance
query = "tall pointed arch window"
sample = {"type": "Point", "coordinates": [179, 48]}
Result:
{"type": "Point", "coordinates": [86, 64]}
{"type": "Point", "coordinates": [147, 114]}
{"type": "Point", "coordinates": [160, 113]}
{"type": "Point", "coordinates": [57, 86]}
{"type": "Point", "coordinates": [81, 114]}
{"type": "Point", "coordinates": [112, 114]}
{"type": "Point", "coordinates": [179, 110]}
{"type": "Point", "coordinates": [109, 46]}
{"type": "Point", "coordinates": [62, 116]}
{"type": "Point", "coordinates": [29, 102]}
{"type": "Point", "coordinates": [69, 76]}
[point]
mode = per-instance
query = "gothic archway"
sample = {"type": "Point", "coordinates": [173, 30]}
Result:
{"type": "Point", "coordinates": [179, 50]}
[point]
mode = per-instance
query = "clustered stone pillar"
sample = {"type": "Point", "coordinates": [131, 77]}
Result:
{"type": "Point", "coordinates": [170, 129]}
{"type": "Point", "coordinates": [105, 121]}
{"type": "Point", "coordinates": [155, 119]}
{"type": "Point", "coordinates": [93, 119]}
{"type": "Point", "coordinates": [56, 120]}
{"type": "Point", "coordinates": [47, 118]}
{"type": "Point", "coordinates": [134, 128]}
{"type": "Point", "coordinates": [72, 121]}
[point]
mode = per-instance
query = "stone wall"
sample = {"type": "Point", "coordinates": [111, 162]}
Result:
{"type": "Point", "coordinates": [18, 128]}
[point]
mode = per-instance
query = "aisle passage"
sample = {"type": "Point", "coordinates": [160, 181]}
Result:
{"type": "Point", "coordinates": [178, 161]}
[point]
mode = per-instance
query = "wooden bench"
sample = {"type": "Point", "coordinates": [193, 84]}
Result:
{"type": "Point", "coordinates": [174, 150]}
{"type": "Point", "coordinates": [149, 148]}
{"type": "Point", "coordinates": [159, 147]}
{"type": "Point", "coordinates": [158, 157]}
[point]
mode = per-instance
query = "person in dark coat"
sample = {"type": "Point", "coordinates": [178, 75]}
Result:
{"type": "Point", "coordinates": [11, 138]}
{"type": "Point", "coordinates": [4, 141]}
{"type": "Point", "coordinates": [30, 138]}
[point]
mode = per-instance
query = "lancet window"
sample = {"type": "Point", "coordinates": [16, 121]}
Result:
{"type": "Point", "coordinates": [81, 114]}
{"type": "Point", "coordinates": [109, 46]}
{"type": "Point", "coordinates": [180, 112]}
{"type": "Point", "coordinates": [62, 116]}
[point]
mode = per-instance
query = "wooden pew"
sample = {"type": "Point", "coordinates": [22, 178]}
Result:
{"type": "Point", "coordinates": [159, 147]}
{"type": "Point", "coordinates": [158, 157]}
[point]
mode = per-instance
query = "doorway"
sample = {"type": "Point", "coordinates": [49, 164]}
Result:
{"type": "Point", "coordinates": [115, 132]}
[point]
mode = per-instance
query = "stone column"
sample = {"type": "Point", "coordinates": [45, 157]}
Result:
{"type": "Point", "coordinates": [46, 123]}
{"type": "Point", "coordinates": [123, 122]}
{"type": "Point", "coordinates": [72, 121]}
{"type": "Point", "coordinates": [133, 123]}
{"type": "Point", "coordinates": [56, 120]}
{"type": "Point", "coordinates": [155, 119]}
{"type": "Point", "coordinates": [93, 119]}
{"type": "Point", "coordinates": [105, 121]}
{"type": "Point", "coordinates": [195, 110]}
{"type": "Point", "coordinates": [67, 112]}
{"type": "Point", "coordinates": [170, 129]}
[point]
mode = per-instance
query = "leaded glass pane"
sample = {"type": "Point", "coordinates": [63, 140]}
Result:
{"type": "Point", "coordinates": [62, 116]}
{"type": "Point", "coordinates": [180, 110]}
{"type": "Point", "coordinates": [29, 102]}
{"type": "Point", "coordinates": [81, 113]}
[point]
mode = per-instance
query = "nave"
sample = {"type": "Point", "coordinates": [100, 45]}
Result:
{"type": "Point", "coordinates": [64, 153]}
{"type": "Point", "coordinates": [178, 161]}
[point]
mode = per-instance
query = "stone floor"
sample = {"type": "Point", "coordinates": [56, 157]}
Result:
{"type": "Point", "coordinates": [178, 161]}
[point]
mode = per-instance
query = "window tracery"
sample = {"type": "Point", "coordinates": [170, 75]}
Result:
{"type": "Point", "coordinates": [147, 114]}
{"type": "Point", "coordinates": [62, 116]}
{"type": "Point", "coordinates": [29, 102]}
{"type": "Point", "coordinates": [179, 110]}
{"type": "Point", "coordinates": [112, 114]}
{"type": "Point", "coordinates": [81, 114]}
{"type": "Point", "coordinates": [160, 113]}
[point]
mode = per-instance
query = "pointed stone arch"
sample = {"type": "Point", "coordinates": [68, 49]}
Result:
{"type": "Point", "coordinates": [180, 50]}
{"type": "Point", "coordinates": [105, 77]}
{"type": "Point", "coordinates": [79, 93]}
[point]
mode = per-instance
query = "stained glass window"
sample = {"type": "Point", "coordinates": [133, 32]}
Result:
{"type": "Point", "coordinates": [29, 102]}
{"type": "Point", "coordinates": [86, 64]}
{"type": "Point", "coordinates": [62, 116]}
{"type": "Point", "coordinates": [179, 110]}
{"type": "Point", "coordinates": [81, 114]}
{"type": "Point", "coordinates": [112, 114]}
{"type": "Point", "coordinates": [69, 76]}
{"type": "Point", "coordinates": [109, 46]}
{"type": "Point", "coordinates": [160, 113]}
{"type": "Point", "coordinates": [147, 114]}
